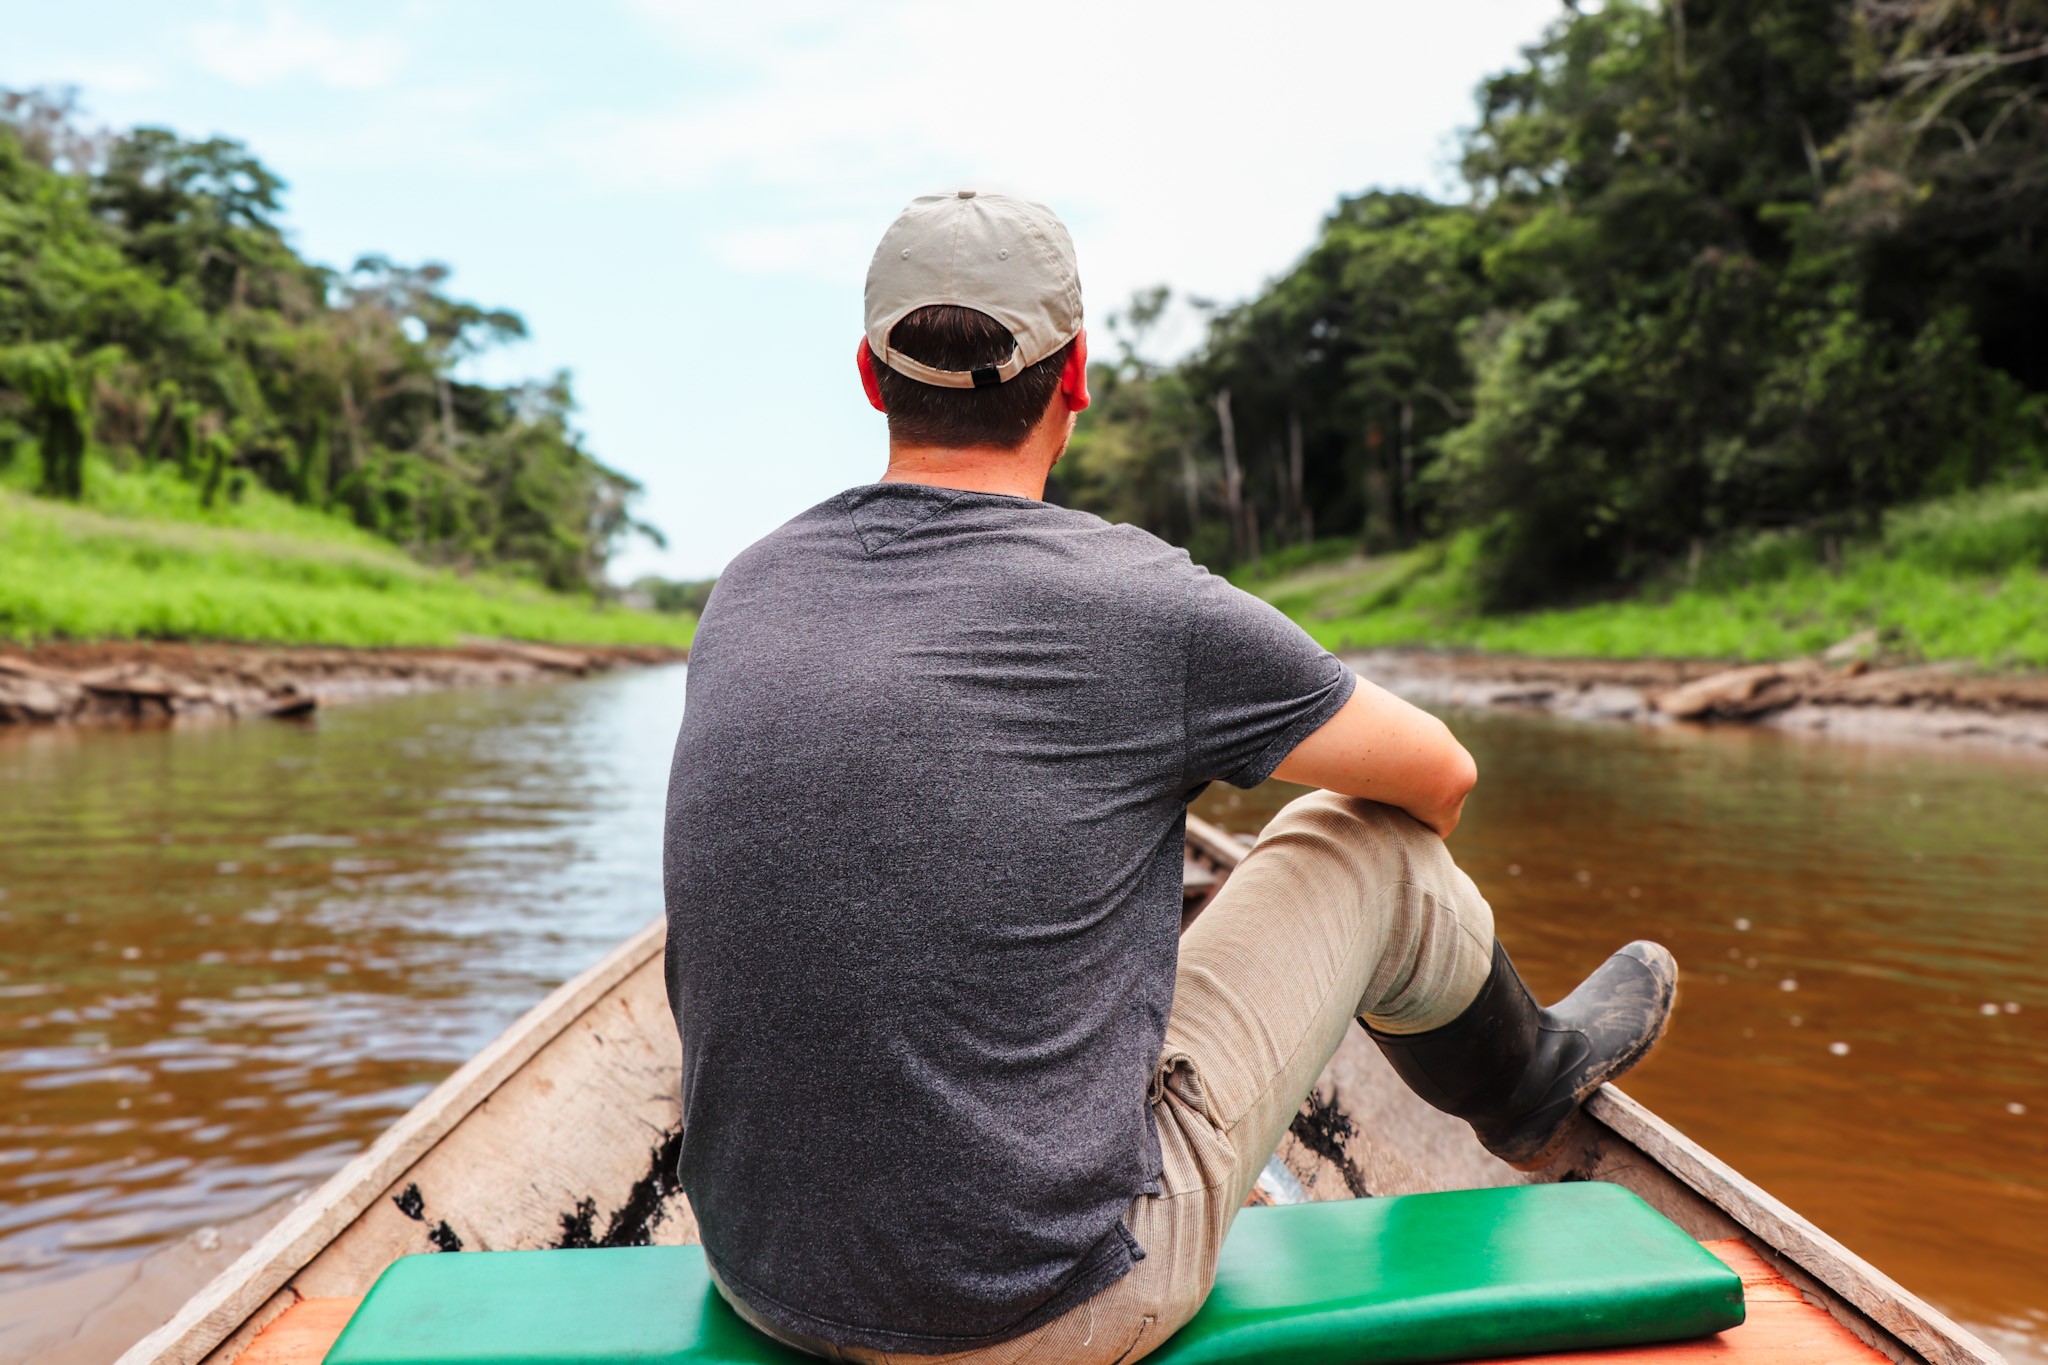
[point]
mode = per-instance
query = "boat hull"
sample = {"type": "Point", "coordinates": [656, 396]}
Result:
{"type": "Point", "coordinates": [564, 1133]}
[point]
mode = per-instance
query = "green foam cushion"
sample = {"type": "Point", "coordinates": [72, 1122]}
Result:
{"type": "Point", "coordinates": [1426, 1277]}
{"type": "Point", "coordinates": [1457, 1276]}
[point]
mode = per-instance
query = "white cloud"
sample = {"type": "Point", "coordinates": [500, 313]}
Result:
{"type": "Point", "coordinates": [427, 127]}
{"type": "Point", "coordinates": [828, 249]}
{"type": "Point", "coordinates": [1195, 142]}
{"type": "Point", "coordinates": [701, 28]}
{"type": "Point", "coordinates": [284, 45]}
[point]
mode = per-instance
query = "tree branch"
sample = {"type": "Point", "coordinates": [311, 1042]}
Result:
{"type": "Point", "coordinates": [1967, 61]}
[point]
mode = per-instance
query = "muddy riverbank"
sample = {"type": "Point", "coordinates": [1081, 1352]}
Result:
{"type": "Point", "coordinates": [124, 682]}
{"type": "Point", "coordinates": [1848, 697]}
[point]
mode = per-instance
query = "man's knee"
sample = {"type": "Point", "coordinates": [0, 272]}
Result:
{"type": "Point", "coordinates": [1352, 828]}
{"type": "Point", "coordinates": [1333, 840]}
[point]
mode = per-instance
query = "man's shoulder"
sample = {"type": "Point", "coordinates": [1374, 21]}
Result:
{"type": "Point", "coordinates": [771, 569]}
{"type": "Point", "coordinates": [1119, 544]}
{"type": "Point", "coordinates": [804, 529]}
{"type": "Point", "coordinates": [1055, 541]}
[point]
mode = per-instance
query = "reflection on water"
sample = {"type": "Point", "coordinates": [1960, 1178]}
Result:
{"type": "Point", "coordinates": [230, 956]}
{"type": "Point", "coordinates": [1863, 939]}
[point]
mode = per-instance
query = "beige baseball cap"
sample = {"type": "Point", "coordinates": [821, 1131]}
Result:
{"type": "Point", "coordinates": [1009, 258]}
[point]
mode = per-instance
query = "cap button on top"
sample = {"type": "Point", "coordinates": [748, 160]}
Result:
{"type": "Point", "coordinates": [967, 194]}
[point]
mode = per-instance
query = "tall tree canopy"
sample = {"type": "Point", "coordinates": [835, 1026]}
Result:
{"type": "Point", "coordinates": [1724, 264]}
{"type": "Point", "coordinates": [151, 309]}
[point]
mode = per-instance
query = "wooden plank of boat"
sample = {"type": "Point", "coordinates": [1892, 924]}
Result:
{"type": "Point", "coordinates": [564, 1131]}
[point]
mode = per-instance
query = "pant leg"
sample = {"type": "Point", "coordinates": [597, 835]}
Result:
{"type": "Point", "coordinates": [1344, 908]}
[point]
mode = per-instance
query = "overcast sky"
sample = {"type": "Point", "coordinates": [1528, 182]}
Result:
{"type": "Point", "coordinates": [681, 195]}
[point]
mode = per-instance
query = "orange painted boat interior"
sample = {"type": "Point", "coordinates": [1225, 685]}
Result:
{"type": "Point", "coordinates": [1782, 1328]}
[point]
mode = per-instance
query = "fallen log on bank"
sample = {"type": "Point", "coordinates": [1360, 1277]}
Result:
{"type": "Point", "coordinates": [1844, 696]}
{"type": "Point", "coordinates": [1740, 693]}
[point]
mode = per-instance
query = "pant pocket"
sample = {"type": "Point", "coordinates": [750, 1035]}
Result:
{"type": "Point", "coordinates": [1141, 1343]}
{"type": "Point", "coordinates": [1193, 1152]}
{"type": "Point", "coordinates": [1176, 1075]}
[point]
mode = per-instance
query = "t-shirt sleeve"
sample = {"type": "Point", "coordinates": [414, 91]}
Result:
{"type": "Point", "coordinates": [1257, 685]}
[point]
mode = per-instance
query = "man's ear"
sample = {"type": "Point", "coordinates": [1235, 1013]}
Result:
{"type": "Point", "coordinates": [865, 359]}
{"type": "Point", "coordinates": [1074, 378]}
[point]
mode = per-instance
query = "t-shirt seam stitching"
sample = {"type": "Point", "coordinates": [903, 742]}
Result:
{"type": "Point", "coordinates": [845, 501]}
{"type": "Point", "coordinates": [872, 550]}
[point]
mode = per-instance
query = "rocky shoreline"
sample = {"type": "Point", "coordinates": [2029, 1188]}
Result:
{"type": "Point", "coordinates": [1845, 696]}
{"type": "Point", "coordinates": [130, 682]}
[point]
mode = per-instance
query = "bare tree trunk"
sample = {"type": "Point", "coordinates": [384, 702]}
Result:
{"type": "Point", "coordinates": [353, 420]}
{"type": "Point", "coordinates": [1407, 500]}
{"type": "Point", "coordinates": [1379, 500]}
{"type": "Point", "coordinates": [1678, 79]}
{"type": "Point", "coordinates": [447, 412]}
{"type": "Point", "coordinates": [1233, 475]}
{"type": "Point", "coordinates": [1297, 480]}
{"type": "Point", "coordinates": [1820, 181]}
{"type": "Point", "coordinates": [1188, 486]}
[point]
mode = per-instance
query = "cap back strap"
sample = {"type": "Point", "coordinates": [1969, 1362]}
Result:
{"type": "Point", "coordinates": [980, 377]}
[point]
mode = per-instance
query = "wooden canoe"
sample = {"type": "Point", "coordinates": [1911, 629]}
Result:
{"type": "Point", "coordinates": [565, 1131]}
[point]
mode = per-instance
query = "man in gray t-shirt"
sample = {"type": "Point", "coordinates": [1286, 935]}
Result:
{"type": "Point", "coordinates": [951, 1077]}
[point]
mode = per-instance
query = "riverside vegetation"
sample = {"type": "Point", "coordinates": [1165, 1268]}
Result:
{"type": "Point", "coordinates": [203, 434]}
{"type": "Point", "coordinates": [140, 557]}
{"type": "Point", "coordinates": [1951, 579]}
{"type": "Point", "coordinates": [1736, 347]}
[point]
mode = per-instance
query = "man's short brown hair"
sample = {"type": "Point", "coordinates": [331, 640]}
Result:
{"type": "Point", "coordinates": [949, 337]}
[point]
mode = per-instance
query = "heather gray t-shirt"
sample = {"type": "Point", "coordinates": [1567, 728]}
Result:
{"type": "Point", "coordinates": [923, 869]}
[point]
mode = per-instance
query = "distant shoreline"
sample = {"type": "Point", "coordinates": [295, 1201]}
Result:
{"type": "Point", "coordinates": [116, 683]}
{"type": "Point", "coordinates": [1851, 699]}
{"type": "Point", "coordinates": [158, 682]}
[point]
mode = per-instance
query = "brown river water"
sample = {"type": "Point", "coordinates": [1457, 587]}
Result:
{"type": "Point", "coordinates": [231, 955]}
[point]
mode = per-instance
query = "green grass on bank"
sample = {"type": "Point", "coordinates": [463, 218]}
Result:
{"type": "Point", "coordinates": [142, 558]}
{"type": "Point", "coordinates": [1964, 578]}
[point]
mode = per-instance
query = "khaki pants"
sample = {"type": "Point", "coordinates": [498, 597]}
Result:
{"type": "Point", "coordinates": [1344, 908]}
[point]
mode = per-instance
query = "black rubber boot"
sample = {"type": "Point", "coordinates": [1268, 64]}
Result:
{"type": "Point", "coordinates": [1518, 1073]}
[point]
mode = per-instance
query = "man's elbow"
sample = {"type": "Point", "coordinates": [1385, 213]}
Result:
{"type": "Point", "coordinates": [1461, 774]}
{"type": "Point", "coordinates": [1456, 777]}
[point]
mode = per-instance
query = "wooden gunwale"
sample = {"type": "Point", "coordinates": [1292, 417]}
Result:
{"type": "Point", "coordinates": [1621, 1140]}
{"type": "Point", "coordinates": [247, 1286]}
{"type": "Point", "coordinates": [1893, 1317]}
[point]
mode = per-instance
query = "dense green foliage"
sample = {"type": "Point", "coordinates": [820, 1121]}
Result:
{"type": "Point", "coordinates": [1956, 578]}
{"type": "Point", "coordinates": [1727, 266]}
{"type": "Point", "coordinates": [144, 556]}
{"type": "Point", "coordinates": [153, 315]}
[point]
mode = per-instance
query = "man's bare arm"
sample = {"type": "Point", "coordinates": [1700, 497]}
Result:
{"type": "Point", "coordinates": [1381, 748]}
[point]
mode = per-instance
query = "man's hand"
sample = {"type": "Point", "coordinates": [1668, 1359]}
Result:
{"type": "Point", "coordinates": [1381, 748]}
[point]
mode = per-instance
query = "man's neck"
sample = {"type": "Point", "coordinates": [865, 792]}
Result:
{"type": "Point", "coordinates": [1018, 473]}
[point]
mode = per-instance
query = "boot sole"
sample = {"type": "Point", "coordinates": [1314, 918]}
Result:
{"type": "Point", "coordinates": [1663, 966]}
